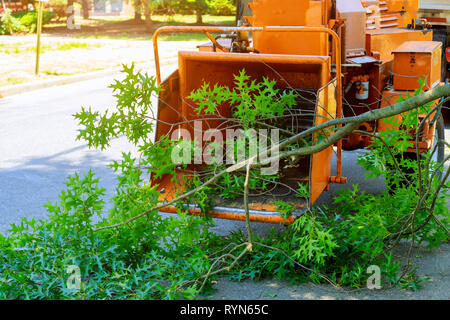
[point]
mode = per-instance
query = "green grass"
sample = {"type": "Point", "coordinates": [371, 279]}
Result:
{"type": "Point", "coordinates": [184, 36]}
{"type": "Point", "coordinates": [173, 36]}
{"type": "Point", "coordinates": [121, 36]}
{"type": "Point", "coordinates": [178, 18]}
{"type": "Point", "coordinates": [159, 19]}
{"type": "Point", "coordinates": [44, 74]}
{"type": "Point", "coordinates": [19, 48]}
{"type": "Point", "coordinates": [57, 73]}
{"type": "Point", "coordinates": [109, 19]}
{"type": "Point", "coordinates": [93, 21]}
{"type": "Point", "coordinates": [7, 48]}
{"type": "Point", "coordinates": [12, 80]}
{"type": "Point", "coordinates": [13, 50]}
{"type": "Point", "coordinates": [164, 19]}
{"type": "Point", "coordinates": [76, 45]}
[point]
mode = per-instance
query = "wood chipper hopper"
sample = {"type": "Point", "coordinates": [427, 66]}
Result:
{"type": "Point", "coordinates": [310, 76]}
{"type": "Point", "coordinates": [317, 48]}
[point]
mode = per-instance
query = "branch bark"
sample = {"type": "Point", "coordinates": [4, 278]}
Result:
{"type": "Point", "coordinates": [349, 125]}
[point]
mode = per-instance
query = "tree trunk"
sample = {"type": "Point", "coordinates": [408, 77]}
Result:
{"type": "Point", "coordinates": [137, 15]}
{"type": "Point", "coordinates": [199, 16]}
{"type": "Point", "coordinates": [137, 5]}
{"type": "Point", "coordinates": [85, 5]}
{"type": "Point", "coordinates": [148, 17]}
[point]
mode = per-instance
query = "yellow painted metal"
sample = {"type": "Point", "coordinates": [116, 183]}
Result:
{"type": "Point", "coordinates": [38, 31]}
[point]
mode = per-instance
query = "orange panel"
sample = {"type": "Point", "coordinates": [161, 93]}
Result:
{"type": "Point", "coordinates": [307, 43]}
{"type": "Point", "coordinates": [390, 13]}
{"type": "Point", "coordinates": [299, 71]}
{"type": "Point", "coordinates": [387, 40]}
{"type": "Point", "coordinates": [289, 13]}
{"type": "Point", "coordinates": [288, 70]}
{"type": "Point", "coordinates": [414, 60]}
{"type": "Point", "coordinates": [391, 97]}
{"type": "Point", "coordinates": [403, 5]}
{"type": "Point", "coordinates": [320, 169]}
{"type": "Point", "coordinates": [168, 105]}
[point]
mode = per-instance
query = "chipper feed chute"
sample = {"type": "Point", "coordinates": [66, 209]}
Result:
{"type": "Point", "coordinates": [309, 76]}
{"type": "Point", "coordinates": [302, 46]}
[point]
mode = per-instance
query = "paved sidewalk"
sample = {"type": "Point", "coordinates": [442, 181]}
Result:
{"type": "Point", "coordinates": [434, 264]}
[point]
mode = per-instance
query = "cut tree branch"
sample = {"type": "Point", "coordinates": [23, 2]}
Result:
{"type": "Point", "coordinates": [350, 124]}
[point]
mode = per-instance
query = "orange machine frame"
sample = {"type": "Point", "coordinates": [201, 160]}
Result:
{"type": "Point", "coordinates": [337, 49]}
{"type": "Point", "coordinates": [262, 213]}
{"type": "Point", "coordinates": [372, 68]}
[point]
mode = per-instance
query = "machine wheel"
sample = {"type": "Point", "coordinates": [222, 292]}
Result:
{"type": "Point", "coordinates": [438, 156]}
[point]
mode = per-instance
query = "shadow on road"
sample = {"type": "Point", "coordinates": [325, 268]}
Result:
{"type": "Point", "coordinates": [26, 187]}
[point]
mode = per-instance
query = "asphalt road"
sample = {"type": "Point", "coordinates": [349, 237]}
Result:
{"type": "Point", "coordinates": [38, 151]}
{"type": "Point", "coordinates": [38, 147]}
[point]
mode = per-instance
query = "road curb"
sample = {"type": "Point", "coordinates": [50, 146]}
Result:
{"type": "Point", "coordinates": [8, 91]}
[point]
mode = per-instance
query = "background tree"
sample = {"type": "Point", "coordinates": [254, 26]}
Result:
{"type": "Point", "coordinates": [137, 5]}
{"type": "Point", "coordinates": [200, 7]}
{"type": "Point", "coordinates": [146, 7]}
{"type": "Point", "coordinates": [149, 5]}
{"type": "Point", "coordinates": [169, 7]}
{"type": "Point", "coordinates": [85, 6]}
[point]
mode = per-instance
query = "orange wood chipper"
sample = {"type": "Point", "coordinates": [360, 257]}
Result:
{"type": "Point", "coordinates": [345, 56]}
